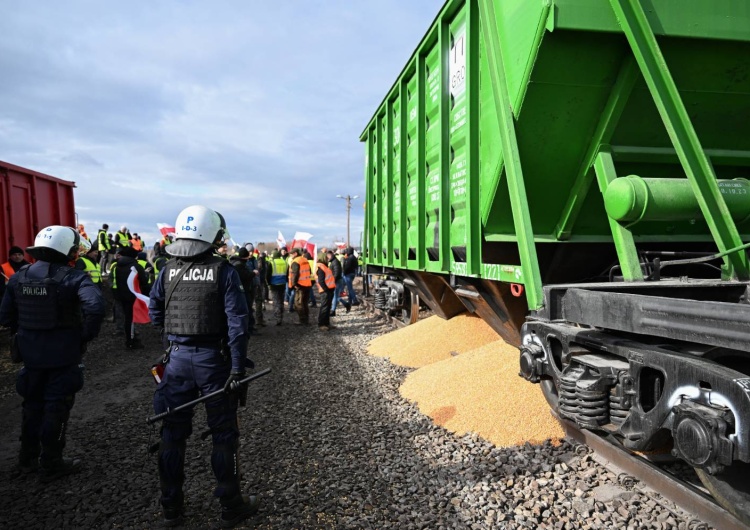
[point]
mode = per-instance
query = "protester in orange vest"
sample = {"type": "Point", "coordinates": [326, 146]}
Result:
{"type": "Point", "coordinates": [136, 243]}
{"type": "Point", "coordinates": [326, 286]}
{"type": "Point", "coordinates": [300, 281]}
{"type": "Point", "coordinates": [82, 231]}
{"type": "Point", "coordinates": [15, 262]}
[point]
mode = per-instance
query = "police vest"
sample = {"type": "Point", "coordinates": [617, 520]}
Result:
{"type": "Point", "coordinates": [39, 304]}
{"type": "Point", "coordinates": [330, 281]}
{"type": "Point", "coordinates": [92, 269]}
{"type": "Point", "coordinates": [279, 270]}
{"type": "Point", "coordinates": [304, 272]}
{"type": "Point", "coordinates": [195, 307]}
{"type": "Point", "coordinates": [103, 240]}
{"type": "Point", "coordinates": [122, 239]}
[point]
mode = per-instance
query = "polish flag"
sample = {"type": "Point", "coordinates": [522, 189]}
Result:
{"type": "Point", "coordinates": [280, 241]}
{"type": "Point", "coordinates": [165, 229]}
{"type": "Point", "coordinates": [140, 305]}
{"type": "Point", "coordinates": [302, 240]}
{"type": "Point", "coordinates": [303, 236]}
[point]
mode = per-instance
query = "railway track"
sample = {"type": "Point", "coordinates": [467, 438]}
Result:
{"type": "Point", "coordinates": [630, 466]}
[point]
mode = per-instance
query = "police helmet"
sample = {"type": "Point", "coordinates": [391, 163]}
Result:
{"type": "Point", "coordinates": [56, 243]}
{"type": "Point", "coordinates": [197, 230]}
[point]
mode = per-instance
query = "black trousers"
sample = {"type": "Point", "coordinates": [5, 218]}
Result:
{"type": "Point", "coordinates": [324, 313]}
{"type": "Point", "coordinates": [127, 315]}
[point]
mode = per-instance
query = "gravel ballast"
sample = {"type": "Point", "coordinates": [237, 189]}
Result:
{"type": "Point", "coordinates": [327, 441]}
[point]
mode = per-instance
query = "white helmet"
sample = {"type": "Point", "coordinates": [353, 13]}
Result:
{"type": "Point", "coordinates": [56, 244]}
{"type": "Point", "coordinates": [197, 230]}
{"type": "Point", "coordinates": [123, 228]}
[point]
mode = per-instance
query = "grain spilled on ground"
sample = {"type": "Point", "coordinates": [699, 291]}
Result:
{"type": "Point", "coordinates": [432, 339]}
{"type": "Point", "coordinates": [480, 391]}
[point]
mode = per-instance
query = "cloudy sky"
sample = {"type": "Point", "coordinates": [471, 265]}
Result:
{"type": "Point", "coordinates": [250, 107]}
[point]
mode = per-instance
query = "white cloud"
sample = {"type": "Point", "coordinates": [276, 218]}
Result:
{"type": "Point", "coordinates": [253, 108]}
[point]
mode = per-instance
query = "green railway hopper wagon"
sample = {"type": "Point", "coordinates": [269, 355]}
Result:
{"type": "Point", "coordinates": [577, 173]}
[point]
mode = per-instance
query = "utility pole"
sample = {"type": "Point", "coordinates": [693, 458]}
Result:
{"type": "Point", "coordinates": [348, 199]}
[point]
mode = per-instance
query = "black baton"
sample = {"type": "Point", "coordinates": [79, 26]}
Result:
{"type": "Point", "coordinates": [201, 399]}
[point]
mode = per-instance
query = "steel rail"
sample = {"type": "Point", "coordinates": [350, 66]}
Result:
{"type": "Point", "coordinates": [683, 494]}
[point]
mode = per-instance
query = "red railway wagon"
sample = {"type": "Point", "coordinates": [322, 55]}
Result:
{"type": "Point", "coordinates": [30, 201]}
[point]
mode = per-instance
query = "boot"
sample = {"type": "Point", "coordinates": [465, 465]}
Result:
{"type": "Point", "coordinates": [171, 460]}
{"type": "Point", "coordinates": [174, 513]}
{"type": "Point", "coordinates": [238, 508]}
{"type": "Point", "coordinates": [134, 344]}
{"type": "Point", "coordinates": [28, 460]}
{"type": "Point", "coordinates": [55, 469]}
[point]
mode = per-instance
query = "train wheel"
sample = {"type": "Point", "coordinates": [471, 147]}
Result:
{"type": "Point", "coordinates": [410, 312]}
{"type": "Point", "coordinates": [549, 390]}
{"type": "Point", "coordinates": [731, 489]}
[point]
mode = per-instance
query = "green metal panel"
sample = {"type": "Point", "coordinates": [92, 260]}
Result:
{"type": "Point", "coordinates": [386, 195]}
{"type": "Point", "coordinates": [700, 19]}
{"type": "Point", "coordinates": [490, 152]}
{"type": "Point", "coordinates": [380, 209]}
{"type": "Point", "coordinates": [472, 215]}
{"type": "Point", "coordinates": [573, 85]}
{"type": "Point", "coordinates": [433, 158]}
{"type": "Point", "coordinates": [414, 175]}
{"type": "Point", "coordinates": [673, 112]}
{"type": "Point", "coordinates": [519, 205]}
{"type": "Point", "coordinates": [367, 239]}
{"type": "Point", "coordinates": [459, 132]}
{"type": "Point", "coordinates": [393, 184]}
{"type": "Point", "coordinates": [399, 153]}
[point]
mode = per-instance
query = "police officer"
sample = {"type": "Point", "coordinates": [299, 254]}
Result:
{"type": "Point", "coordinates": [199, 300]}
{"type": "Point", "coordinates": [54, 311]}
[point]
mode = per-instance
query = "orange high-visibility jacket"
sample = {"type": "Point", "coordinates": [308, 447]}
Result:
{"type": "Point", "coordinates": [304, 272]}
{"type": "Point", "coordinates": [330, 280]}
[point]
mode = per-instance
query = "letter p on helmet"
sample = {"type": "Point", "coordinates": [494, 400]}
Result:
{"type": "Point", "coordinates": [190, 219]}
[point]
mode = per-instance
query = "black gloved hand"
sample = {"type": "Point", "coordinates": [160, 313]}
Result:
{"type": "Point", "coordinates": [233, 387]}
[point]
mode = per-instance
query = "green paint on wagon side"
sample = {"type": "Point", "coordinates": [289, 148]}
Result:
{"type": "Point", "coordinates": [657, 90]}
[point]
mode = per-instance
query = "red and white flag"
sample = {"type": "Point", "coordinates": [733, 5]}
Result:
{"type": "Point", "coordinates": [140, 305]}
{"type": "Point", "coordinates": [302, 240]}
{"type": "Point", "coordinates": [165, 229]}
{"type": "Point", "coordinates": [303, 236]}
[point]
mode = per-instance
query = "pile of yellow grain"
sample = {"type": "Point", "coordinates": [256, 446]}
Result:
{"type": "Point", "coordinates": [480, 391]}
{"type": "Point", "coordinates": [468, 380]}
{"type": "Point", "coordinates": [432, 339]}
